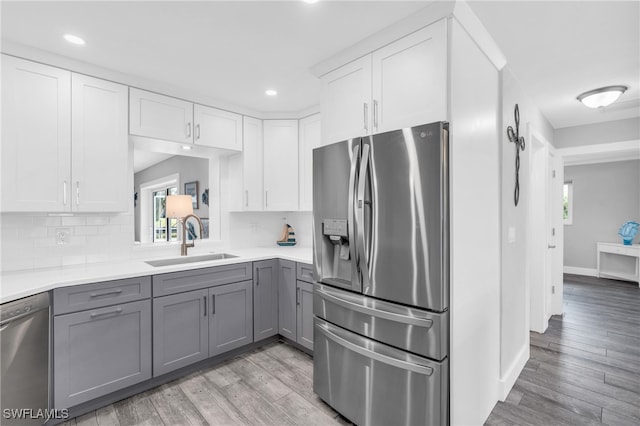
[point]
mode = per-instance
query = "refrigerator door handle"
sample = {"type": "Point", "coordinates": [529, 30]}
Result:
{"type": "Point", "coordinates": [363, 263]}
{"type": "Point", "coordinates": [326, 329]}
{"type": "Point", "coordinates": [350, 206]}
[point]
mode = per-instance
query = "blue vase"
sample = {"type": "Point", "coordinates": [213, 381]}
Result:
{"type": "Point", "coordinates": [627, 241]}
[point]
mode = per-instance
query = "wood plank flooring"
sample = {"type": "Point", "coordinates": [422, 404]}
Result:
{"type": "Point", "coordinates": [271, 385]}
{"type": "Point", "coordinates": [585, 369]}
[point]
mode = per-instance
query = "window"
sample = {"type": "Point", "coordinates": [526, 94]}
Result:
{"type": "Point", "coordinates": [567, 203]}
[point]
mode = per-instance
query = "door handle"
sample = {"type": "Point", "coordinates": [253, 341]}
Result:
{"type": "Point", "coordinates": [188, 130]}
{"type": "Point", "coordinates": [213, 304]}
{"type": "Point", "coordinates": [366, 117]}
{"type": "Point", "coordinates": [360, 226]}
{"type": "Point", "coordinates": [551, 246]}
{"type": "Point", "coordinates": [298, 296]}
{"type": "Point", "coordinates": [246, 198]}
{"type": "Point", "coordinates": [375, 114]}
{"type": "Point", "coordinates": [197, 131]}
{"type": "Point", "coordinates": [350, 207]}
{"type": "Point", "coordinates": [64, 193]}
{"type": "Point", "coordinates": [78, 192]}
{"type": "Point", "coordinates": [204, 299]}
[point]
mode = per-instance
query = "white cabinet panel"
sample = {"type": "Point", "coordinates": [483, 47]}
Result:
{"type": "Point", "coordinates": [346, 97]}
{"type": "Point", "coordinates": [410, 80]}
{"type": "Point", "coordinates": [217, 128]}
{"type": "Point", "coordinates": [161, 117]}
{"type": "Point", "coordinates": [309, 139]}
{"type": "Point", "coordinates": [36, 136]}
{"type": "Point", "coordinates": [252, 167]}
{"type": "Point", "coordinates": [100, 145]}
{"type": "Point", "coordinates": [280, 164]}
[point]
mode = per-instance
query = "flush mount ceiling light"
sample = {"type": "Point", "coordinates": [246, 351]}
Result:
{"type": "Point", "coordinates": [74, 39]}
{"type": "Point", "coordinates": [601, 97]}
{"type": "Point", "coordinates": [310, 1]}
{"type": "Point", "coordinates": [270, 92]}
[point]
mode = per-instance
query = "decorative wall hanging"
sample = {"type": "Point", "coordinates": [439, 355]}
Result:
{"type": "Point", "coordinates": [205, 197]}
{"type": "Point", "coordinates": [191, 188]}
{"type": "Point", "coordinates": [519, 141]}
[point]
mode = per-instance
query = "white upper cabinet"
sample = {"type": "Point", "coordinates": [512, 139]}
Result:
{"type": "Point", "coordinates": [99, 148]}
{"type": "Point", "coordinates": [160, 117]}
{"type": "Point", "coordinates": [36, 136]}
{"type": "Point", "coordinates": [280, 165]}
{"type": "Point", "coordinates": [252, 167]}
{"type": "Point", "coordinates": [64, 141]}
{"type": "Point", "coordinates": [400, 85]}
{"type": "Point", "coordinates": [410, 80]}
{"type": "Point", "coordinates": [217, 128]}
{"type": "Point", "coordinates": [346, 98]}
{"type": "Point", "coordinates": [309, 139]}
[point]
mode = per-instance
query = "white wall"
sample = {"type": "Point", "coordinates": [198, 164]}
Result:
{"type": "Point", "coordinates": [592, 134]}
{"type": "Point", "coordinates": [514, 328]}
{"type": "Point", "coordinates": [262, 229]}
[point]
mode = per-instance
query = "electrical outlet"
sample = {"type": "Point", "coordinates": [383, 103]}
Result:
{"type": "Point", "coordinates": [62, 235]}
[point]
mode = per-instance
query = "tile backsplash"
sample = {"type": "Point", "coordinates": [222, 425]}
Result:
{"type": "Point", "coordinates": [31, 241]}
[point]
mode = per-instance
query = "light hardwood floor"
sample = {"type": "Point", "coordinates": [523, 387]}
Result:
{"type": "Point", "coordinates": [584, 370]}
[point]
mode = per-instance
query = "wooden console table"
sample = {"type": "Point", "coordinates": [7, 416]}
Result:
{"type": "Point", "coordinates": [619, 250]}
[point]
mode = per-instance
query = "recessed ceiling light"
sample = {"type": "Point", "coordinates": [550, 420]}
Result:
{"type": "Point", "coordinates": [601, 97]}
{"type": "Point", "coordinates": [270, 92]}
{"type": "Point", "coordinates": [74, 39]}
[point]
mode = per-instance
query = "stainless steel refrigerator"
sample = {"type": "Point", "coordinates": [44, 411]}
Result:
{"type": "Point", "coordinates": [381, 260]}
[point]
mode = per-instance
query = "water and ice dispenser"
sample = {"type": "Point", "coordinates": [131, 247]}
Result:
{"type": "Point", "coordinates": [336, 258]}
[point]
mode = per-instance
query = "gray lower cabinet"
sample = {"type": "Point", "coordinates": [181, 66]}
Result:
{"type": "Point", "coordinates": [304, 335]}
{"type": "Point", "coordinates": [265, 299]}
{"type": "Point", "coordinates": [180, 330]}
{"type": "Point", "coordinates": [287, 299]}
{"type": "Point", "coordinates": [231, 317]}
{"type": "Point", "coordinates": [101, 350]}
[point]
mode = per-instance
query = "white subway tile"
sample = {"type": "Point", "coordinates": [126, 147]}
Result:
{"type": "Point", "coordinates": [85, 230]}
{"type": "Point", "coordinates": [73, 260]}
{"type": "Point", "coordinates": [74, 220]}
{"type": "Point", "coordinates": [97, 220]}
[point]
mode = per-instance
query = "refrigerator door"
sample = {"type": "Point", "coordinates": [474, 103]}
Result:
{"type": "Point", "coordinates": [421, 332]}
{"type": "Point", "coordinates": [334, 185]}
{"type": "Point", "coordinates": [384, 386]}
{"type": "Point", "coordinates": [402, 216]}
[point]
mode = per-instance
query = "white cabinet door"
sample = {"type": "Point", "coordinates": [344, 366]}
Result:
{"type": "Point", "coordinates": [252, 167]}
{"type": "Point", "coordinates": [346, 97]}
{"type": "Point", "coordinates": [309, 139]}
{"type": "Point", "coordinates": [280, 165]}
{"type": "Point", "coordinates": [217, 128]}
{"type": "Point", "coordinates": [99, 150]}
{"type": "Point", "coordinates": [410, 80]}
{"type": "Point", "coordinates": [160, 117]}
{"type": "Point", "coordinates": [36, 136]}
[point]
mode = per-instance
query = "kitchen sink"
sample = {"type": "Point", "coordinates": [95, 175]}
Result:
{"type": "Point", "coordinates": [190, 259]}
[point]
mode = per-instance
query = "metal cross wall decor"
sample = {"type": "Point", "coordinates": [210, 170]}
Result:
{"type": "Point", "coordinates": [519, 141]}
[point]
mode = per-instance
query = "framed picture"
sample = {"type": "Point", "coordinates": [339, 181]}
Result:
{"type": "Point", "coordinates": [205, 225]}
{"type": "Point", "coordinates": [191, 188]}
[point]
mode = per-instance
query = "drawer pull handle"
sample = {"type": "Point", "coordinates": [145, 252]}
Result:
{"type": "Point", "coordinates": [108, 293]}
{"type": "Point", "coordinates": [115, 311]}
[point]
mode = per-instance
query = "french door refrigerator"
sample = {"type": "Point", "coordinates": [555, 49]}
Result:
{"type": "Point", "coordinates": [381, 264]}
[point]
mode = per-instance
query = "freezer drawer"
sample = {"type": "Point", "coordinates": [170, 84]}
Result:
{"type": "Point", "coordinates": [421, 332]}
{"type": "Point", "coordinates": [384, 385]}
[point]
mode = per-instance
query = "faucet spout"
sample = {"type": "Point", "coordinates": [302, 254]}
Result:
{"type": "Point", "coordinates": [184, 246]}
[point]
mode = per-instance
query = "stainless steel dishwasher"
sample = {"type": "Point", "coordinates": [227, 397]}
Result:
{"type": "Point", "coordinates": [24, 359]}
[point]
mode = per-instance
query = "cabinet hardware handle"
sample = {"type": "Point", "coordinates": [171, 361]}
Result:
{"type": "Point", "coordinates": [366, 121]}
{"type": "Point", "coordinates": [64, 193]}
{"type": "Point", "coordinates": [77, 192]}
{"type": "Point", "coordinates": [115, 311]}
{"type": "Point", "coordinates": [551, 246]}
{"type": "Point", "coordinates": [188, 130]}
{"type": "Point", "coordinates": [108, 293]}
{"type": "Point", "coordinates": [266, 199]}
{"type": "Point", "coordinates": [257, 276]}
{"type": "Point", "coordinates": [213, 304]}
{"type": "Point", "coordinates": [298, 296]}
{"type": "Point", "coordinates": [205, 305]}
{"type": "Point", "coordinates": [197, 131]}
{"type": "Point", "coordinates": [375, 114]}
{"type": "Point", "coordinates": [246, 198]}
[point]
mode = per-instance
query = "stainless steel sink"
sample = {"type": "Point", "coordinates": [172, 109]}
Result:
{"type": "Point", "coordinates": [190, 259]}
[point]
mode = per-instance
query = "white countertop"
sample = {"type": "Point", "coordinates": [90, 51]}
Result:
{"type": "Point", "coordinates": [17, 284]}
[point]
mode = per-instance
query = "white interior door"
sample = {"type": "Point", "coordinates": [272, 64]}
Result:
{"type": "Point", "coordinates": [555, 250]}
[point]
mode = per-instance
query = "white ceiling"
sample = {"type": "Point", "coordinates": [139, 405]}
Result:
{"type": "Point", "coordinates": [233, 51]}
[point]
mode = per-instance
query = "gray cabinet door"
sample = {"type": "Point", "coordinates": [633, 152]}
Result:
{"type": "Point", "coordinates": [305, 314]}
{"type": "Point", "coordinates": [230, 317]}
{"type": "Point", "coordinates": [100, 351]}
{"type": "Point", "coordinates": [287, 299]}
{"type": "Point", "coordinates": [265, 299]}
{"type": "Point", "coordinates": [180, 330]}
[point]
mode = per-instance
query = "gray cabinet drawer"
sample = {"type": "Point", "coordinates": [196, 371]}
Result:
{"type": "Point", "coordinates": [179, 282]}
{"type": "Point", "coordinates": [305, 272]}
{"type": "Point", "coordinates": [96, 295]}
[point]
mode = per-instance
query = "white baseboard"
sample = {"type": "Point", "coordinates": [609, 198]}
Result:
{"type": "Point", "coordinates": [589, 272]}
{"type": "Point", "coordinates": [509, 379]}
